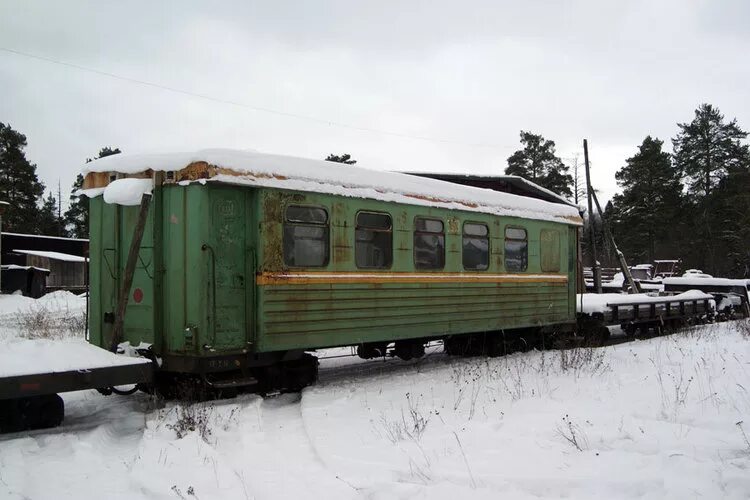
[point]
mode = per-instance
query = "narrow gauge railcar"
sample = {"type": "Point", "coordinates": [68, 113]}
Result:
{"type": "Point", "coordinates": [249, 260]}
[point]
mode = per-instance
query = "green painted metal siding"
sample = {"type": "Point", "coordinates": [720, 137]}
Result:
{"type": "Point", "coordinates": [201, 265]}
{"type": "Point", "coordinates": [111, 234]}
{"type": "Point", "coordinates": [295, 316]}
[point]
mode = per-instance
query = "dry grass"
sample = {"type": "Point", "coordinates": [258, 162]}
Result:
{"type": "Point", "coordinates": [40, 322]}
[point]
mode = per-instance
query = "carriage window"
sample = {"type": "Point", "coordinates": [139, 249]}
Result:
{"type": "Point", "coordinates": [373, 240]}
{"type": "Point", "coordinates": [429, 244]}
{"type": "Point", "coordinates": [516, 249]}
{"type": "Point", "coordinates": [476, 247]}
{"type": "Point", "coordinates": [306, 237]}
{"type": "Point", "coordinates": [549, 241]}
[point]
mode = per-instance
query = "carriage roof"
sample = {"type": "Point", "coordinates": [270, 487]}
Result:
{"type": "Point", "coordinates": [301, 174]}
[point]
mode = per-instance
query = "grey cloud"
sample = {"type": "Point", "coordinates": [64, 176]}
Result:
{"type": "Point", "coordinates": [471, 72]}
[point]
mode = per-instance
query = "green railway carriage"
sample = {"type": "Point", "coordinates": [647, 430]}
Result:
{"type": "Point", "coordinates": [244, 266]}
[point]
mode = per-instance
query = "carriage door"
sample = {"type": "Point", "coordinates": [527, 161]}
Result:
{"type": "Point", "coordinates": [227, 279]}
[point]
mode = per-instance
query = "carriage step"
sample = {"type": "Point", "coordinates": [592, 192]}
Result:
{"type": "Point", "coordinates": [231, 383]}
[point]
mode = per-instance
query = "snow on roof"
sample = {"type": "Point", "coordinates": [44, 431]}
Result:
{"type": "Point", "coordinates": [589, 303]}
{"type": "Point", "coordinates": [66, 257]}
{"type": "Point", "coordinates": [506, 178]}
{"type": "Point", "coordinates": [14, 267]}
{"type": "Point", "coordinates": [127, 191]}
{"type": "Point", "coordinates": [44, 236]}
{"type": "Point", "coordinates": [699, 280]}
{"type": "Point", "coordinates": [288, 172]}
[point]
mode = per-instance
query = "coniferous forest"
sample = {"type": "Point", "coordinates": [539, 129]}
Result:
{"type": "Point", "coordinates": [692, 203]}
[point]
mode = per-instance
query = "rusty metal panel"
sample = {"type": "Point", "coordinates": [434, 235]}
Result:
{"type": "Point", "coordinates": [298, 308]}
{"type": "Point", "coordinates": [226, 252]}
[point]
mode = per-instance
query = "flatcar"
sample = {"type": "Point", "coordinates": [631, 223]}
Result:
{"type": "Point", "coordinates": [247, 262]}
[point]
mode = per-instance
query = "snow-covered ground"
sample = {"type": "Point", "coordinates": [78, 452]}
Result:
{"type": "Point", "coordinates": [662, 418]}
{"type": "Point", "coordinates": [47, 335]}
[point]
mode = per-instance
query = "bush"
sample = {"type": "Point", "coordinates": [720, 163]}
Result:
{"type": "Point", "coordinates": [40, 322]}
{"type": "Point", "coordinates": [579, 360]}
{"type": "Point", "coordinates": [192, 418]}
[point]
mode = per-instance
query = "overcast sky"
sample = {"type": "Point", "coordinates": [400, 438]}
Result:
{"type": "Point", "coordinates": [466, 75]}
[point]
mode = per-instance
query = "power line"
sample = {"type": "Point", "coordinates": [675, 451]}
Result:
{"type": "Point", "coordinates": [259, 109]}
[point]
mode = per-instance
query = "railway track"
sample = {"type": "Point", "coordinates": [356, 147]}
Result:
{"type": "Point", "coordinates": [336, 365]}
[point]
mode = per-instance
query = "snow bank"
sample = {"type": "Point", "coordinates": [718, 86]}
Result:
{"type": "Point", "coordinates": [55, 315]}
{"type": "Point", "coordinates": [127, 191]}
{"type": "Point", "coordinates": [16, 303]}
{"type": "Point", "coordinates": [292, 173]}
{"type": "Point", "coordinates": [11, 303]}
{"type": "Point", "coordinates": [654, 419]}
{"type": "Point", "coordinates": [590, 303]}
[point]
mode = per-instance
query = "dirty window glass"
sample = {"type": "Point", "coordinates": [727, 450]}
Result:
{"type": "Point", "coordinates": [476, 247]}
{"type": "Point", "coordinates": [516, 249]}
{"type": "Point", "coordinates": [306, 237]}
{"type": "Point", "coordinates": [312, 215]}
{"type": "Point", "coordinates": [549, 242]}
{"type": "Point", "coordinates": [429, 244]}
{"type": "Point", "coordinates": [373, 245]}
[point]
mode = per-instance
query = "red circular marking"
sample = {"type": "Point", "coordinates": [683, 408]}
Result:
{"type": "Point", "coordinates": [138, 295]}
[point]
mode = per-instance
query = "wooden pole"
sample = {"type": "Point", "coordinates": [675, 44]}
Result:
{"type": "Point", "coordinates": [127, 281]}
{"type": "Point", "coordinates": [620, 257]}
{"type": "Point", "coordinates": [592, 236]}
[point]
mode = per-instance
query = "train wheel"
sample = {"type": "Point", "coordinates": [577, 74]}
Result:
{"type": "Point", "coordinates": [289, 376]}
{"type": "Point", "coordinates": [36, 412]}
{"type": "Point", "coordinates": [300, 373]}
{"type": "Point", "coordinates": [409, 349]}
{"type": "Point", "coordinates": [456, 345]}
{"type": "Point", "coordinates": [596, 336]}
{"type": "Point", "coordinates": [372, 350]}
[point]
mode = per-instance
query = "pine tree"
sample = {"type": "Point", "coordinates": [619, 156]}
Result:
{"type": "Point", "coordinates": [538, 163]}
{"type": "Point", "coordinates": [709, 153]}
{"type": "Point", "coordinates": [77, 215]}
{"type": "Point", "coordinates": [734, 221]}
{"type": "Point", "coordinates": [707, 148]}
{"type": "Point", "coordinates": [645, 210]}
{"type": "Point", "coordinates": [19, 184]}
{"type": "Point", "coordinates": [49, 224]}
{"type": "Point", "coordinates": [345, 158]}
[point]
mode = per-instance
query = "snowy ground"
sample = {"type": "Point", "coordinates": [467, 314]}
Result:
{"type": "Point", "coordinates": [662, 418]}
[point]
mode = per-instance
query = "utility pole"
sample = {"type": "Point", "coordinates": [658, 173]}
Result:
{"type": "Point", "coordinates": [59, 200]}
{"type": "Point", "coordinates": [620, 257]}
{"type": "Point", "coordinates": [592, 237]}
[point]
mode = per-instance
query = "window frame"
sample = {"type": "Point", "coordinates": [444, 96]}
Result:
{"type": "Point", "coordinates": [415, 232]}
{"type": "Point", "coordinates": [327, 226]}
{"type": "Point", "coordinates": [487, 237]}
{"type": "Point", "coordinates": [389, 231]}
{"type": "Point", "coordinates": [505, 248]}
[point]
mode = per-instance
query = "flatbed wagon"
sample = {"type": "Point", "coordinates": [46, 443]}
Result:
{"type": "Point", "coordinates": [641, 312]}
{"type": "Point", "coordinates": [33, 373]}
